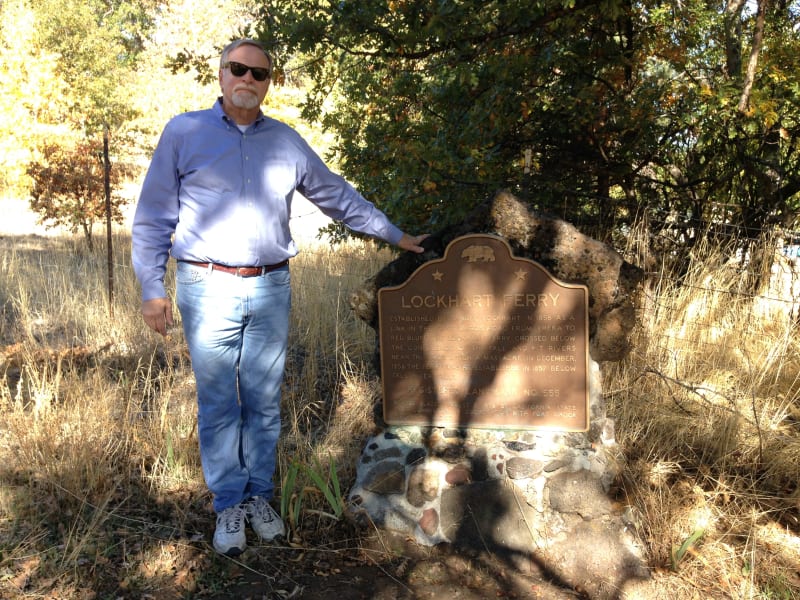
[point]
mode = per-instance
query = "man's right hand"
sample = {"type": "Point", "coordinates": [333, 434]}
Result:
{"type": "Point", "coordinates": [157, 313]}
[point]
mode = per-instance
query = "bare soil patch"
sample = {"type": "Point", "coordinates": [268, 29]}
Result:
{"type": "Point", "coordinates": [379, 566]}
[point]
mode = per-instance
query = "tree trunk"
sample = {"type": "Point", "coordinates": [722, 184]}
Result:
{"type": "Point", "coordinates": [752, 63]}
{"type": "Point", "coordinates": [733, 38]}
{"type": "Point", "coordinates": [109, 239]}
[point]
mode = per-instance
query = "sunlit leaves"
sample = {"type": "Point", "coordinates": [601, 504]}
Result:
{"type": "Point", "coordinates": [33, 99]}
{"type": "Point", "coordinates": [96, 47]}
{"type": "Point", "coordinates": [620, 105]}
{"type": "Point", "coordinates": [68, 186]}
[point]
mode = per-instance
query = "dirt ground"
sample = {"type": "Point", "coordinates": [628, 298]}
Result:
{"type": "Point", "coordinates": [381, 566]}
{"type": "Point", "coordinates": [341, 562]}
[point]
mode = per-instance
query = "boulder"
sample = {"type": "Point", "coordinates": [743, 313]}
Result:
{"type": "Point", "coordinates": [565, 252]}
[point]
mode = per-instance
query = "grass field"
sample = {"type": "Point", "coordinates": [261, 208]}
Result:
{"type": "Point", "coordinates": [101, 493]}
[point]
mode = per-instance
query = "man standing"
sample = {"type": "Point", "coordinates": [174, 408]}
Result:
{"type": "Point", "coordinates": [217, 198]}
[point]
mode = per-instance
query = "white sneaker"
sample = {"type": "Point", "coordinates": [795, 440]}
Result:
{"type": "Point", "coordinates": [263, 519]}
{"type": "Point", "coordinates": [229, 536]}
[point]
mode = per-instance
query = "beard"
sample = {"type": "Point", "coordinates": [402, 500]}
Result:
{"type": "Point", "coordinates": [245, 98]}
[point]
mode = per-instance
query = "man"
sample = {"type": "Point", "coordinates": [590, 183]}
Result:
{"type": "Point", "coordinates": [217, 198]}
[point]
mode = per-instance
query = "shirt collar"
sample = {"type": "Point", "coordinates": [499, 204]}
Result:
{"type": "Point", "coordinates": [217, 108]}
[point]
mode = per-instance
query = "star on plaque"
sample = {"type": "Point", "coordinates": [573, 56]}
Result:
{"type": "Point", "coordinates": [437, 275]}
{"type": "Point", "coordinates": [521, 274]}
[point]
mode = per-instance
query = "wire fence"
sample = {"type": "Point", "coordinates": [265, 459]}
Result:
{"type": "Point", "coordinates": [334, 281]}
{"type": "Point", "coordinates": [717, 297]}
{"type": "Point", "coordinates": [785, 246]}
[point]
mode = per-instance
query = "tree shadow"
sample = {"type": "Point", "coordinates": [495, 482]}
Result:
{"type": "Point", "coordinates": [81, 512]}
{"type": "Point", "coordinates": [495, 343]}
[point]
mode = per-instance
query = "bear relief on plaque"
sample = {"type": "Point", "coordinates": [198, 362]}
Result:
{"type": "Point", "coordinates": [480, 338]}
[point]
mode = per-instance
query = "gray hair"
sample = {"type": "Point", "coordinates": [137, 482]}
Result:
{"type": "Point", "coordinates": [244, 42]}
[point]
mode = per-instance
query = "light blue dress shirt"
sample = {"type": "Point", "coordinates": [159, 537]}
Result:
{"type": "Point", "coordinates": [216, 194]}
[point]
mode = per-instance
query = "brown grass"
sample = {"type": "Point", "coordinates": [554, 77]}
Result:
{"type": "Point", "coordinates": [100, 485]}
{"type": "Point", "coordinates": [708, 410]}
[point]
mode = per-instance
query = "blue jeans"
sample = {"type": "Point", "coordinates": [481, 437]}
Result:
{"type": "Point", "coordinates": [236, 329]}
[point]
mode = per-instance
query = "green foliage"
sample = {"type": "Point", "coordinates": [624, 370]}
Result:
{"type": "Point", "coordinates": [330, 487]}
{"type": "Point", "coordinates": [97, 43]}
{"type": "Point", "coordinates": [593, 111]}
{"type": "Point", "coordinates": [68, 188]}
{"type": "Point", "coordinates": [679, 552]}
{"type": "Point", "coordinates": [69, 64]}
{"type": "Point", "coordinates": [293, 502]}
{"type": "Point", "coordinates": [32, 98]}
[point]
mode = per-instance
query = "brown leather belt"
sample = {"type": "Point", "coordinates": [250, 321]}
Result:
{"type": "Point", "coordinates": [240, 271]}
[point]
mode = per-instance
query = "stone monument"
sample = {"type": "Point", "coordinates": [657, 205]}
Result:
{"type": "Point", "coordinates": [536, 489]}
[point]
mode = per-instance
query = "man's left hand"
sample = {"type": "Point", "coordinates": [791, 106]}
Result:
{"type": "Point", "coordinates": [412, 243]}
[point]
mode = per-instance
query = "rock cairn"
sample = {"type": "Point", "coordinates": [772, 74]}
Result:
{"type": "Point", "coordinates": [538, 498]}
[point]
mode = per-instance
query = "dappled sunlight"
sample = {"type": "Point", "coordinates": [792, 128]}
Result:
{"type": "Point", "coordinates": [107, 468]}
{"type": "Point", "coordinates": [482, 338]}
{"type": "Point", "coordinates": [714, 415]}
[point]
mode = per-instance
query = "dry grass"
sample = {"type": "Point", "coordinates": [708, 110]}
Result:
{"type": "Point", "coordinates": [98, 450]}
{"type": "Point", "coordinates": [708, 409]}
{"type": "Point", "coordinates": [101, 491]}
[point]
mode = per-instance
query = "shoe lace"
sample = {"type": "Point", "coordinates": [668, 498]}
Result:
{"type": "Point", "coordinates": [232, 519]}
{"type": "Point", "coordinates": [261, 509]}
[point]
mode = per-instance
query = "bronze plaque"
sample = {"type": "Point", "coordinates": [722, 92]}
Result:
{"type": "Point", "coordinates": [483, 339]}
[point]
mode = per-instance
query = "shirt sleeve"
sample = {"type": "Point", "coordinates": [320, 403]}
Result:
{"type": "Point", "coordinates": [339, 200]}
{"type": "Point", "coordinates": [155, 218]}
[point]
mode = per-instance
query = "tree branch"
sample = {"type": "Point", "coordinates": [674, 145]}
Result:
{"type": "Point", "coordinates": [752, 64]}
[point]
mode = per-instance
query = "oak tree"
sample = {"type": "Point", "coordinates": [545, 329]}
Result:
{"type": "Point", "coordinates": [601, 112]}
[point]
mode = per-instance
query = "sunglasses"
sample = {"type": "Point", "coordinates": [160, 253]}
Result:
{"type": "Point", "coordinates": [239, 70]}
